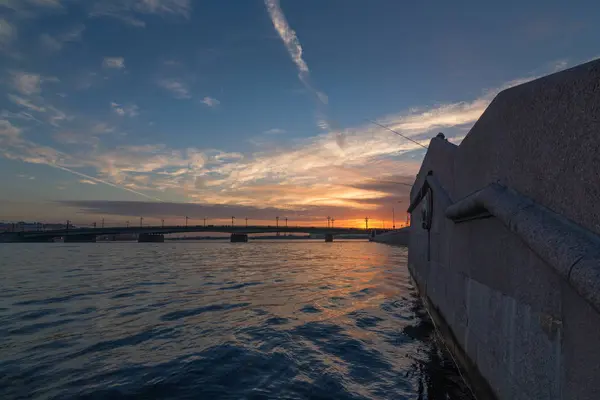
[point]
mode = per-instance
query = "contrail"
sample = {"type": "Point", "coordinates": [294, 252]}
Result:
{"type": "Point", "coordinates": [292, 44]}
{"type": "Point", "coordinates": [105, 182]}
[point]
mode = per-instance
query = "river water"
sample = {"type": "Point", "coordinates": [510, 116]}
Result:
{"type": "Point", "coordinates": [197, 320]}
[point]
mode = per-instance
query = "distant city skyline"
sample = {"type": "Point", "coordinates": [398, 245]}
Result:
{"type": "Point", "coordinates": [171, 108]}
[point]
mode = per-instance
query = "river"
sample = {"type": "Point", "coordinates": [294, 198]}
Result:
{"type": "Point", "coordinates": [197, 320]}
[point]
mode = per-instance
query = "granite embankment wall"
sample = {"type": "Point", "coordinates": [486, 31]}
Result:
{"type": "Point", "coordinates": [398, 237]}
{"type": "Point", "coordinates": [505, 239]}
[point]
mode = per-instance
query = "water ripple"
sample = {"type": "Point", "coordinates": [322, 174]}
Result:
{"type": "Point", "coordinates": [279, 320]}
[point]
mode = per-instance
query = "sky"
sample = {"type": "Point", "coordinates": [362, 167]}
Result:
{"type": "Point", "coordinates": [120, 109]}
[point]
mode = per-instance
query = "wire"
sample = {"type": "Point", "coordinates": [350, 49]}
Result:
{"type": "Point", "coordinates": [458, 367]}
{"type": "Point", "coordinates": [397, 133]}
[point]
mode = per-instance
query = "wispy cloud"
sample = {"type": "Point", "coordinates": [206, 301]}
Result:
{"type": "Point", "coordinates": [129, 11]}
{"type": "Point", "coordinates": [210, 101]}
{"type": "Point", "coordinates": [113, 62]}
{"type": "Point", "coordinates": [162, 7]}
{"type": "Point", "coordinates": [8, 33]}
{"type": "Point", "coordinates": [130, 110]}
{"type": "Point", "coordinates": [8, 130]}
{"type": "Point", "coordinates": [26, 83]}
{"type": "Point", "coordinates": [20, 101]}
{"type": "Point", "coordinates": [177, 88]}
{"type": "Point", "coordinates": [87, 181]}
{"type": "Point", "coordinates": [55, 43]}
{"type": "Point", "coordinates": [25, 176]}
{"type": "Point", "coordinates": [274, 131]}
{"type": "Point", "coordinates": [313, 175]}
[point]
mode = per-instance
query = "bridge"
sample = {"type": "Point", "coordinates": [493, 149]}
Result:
{"type": "Point", "coordinates": [156, 233]}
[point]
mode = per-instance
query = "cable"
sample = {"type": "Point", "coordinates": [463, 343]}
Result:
{"type": "Point", "coordinates": [439, 333]}
{"type": "Point", "coordinates": [397, 133]}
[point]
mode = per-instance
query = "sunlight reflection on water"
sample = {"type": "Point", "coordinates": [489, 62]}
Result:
{"type": "Point", "coordinates": [192, 320]}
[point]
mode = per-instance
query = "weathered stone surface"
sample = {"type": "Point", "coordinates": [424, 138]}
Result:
{"type": "Point", "coordinates": [581, 347]}
{"type": "Point", "coordinates": [521, 291]}
{"type": "Point", "coordinates": [546, 128]}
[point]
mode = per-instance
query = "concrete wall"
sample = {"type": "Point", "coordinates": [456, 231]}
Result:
{"type": "Point", "coordinates": [529, 333]}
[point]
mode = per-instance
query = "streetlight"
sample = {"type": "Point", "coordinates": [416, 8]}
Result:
{"type": "Point", "coordinates": [205, 222]}
{"type": "Point", "coordinates": [328, 221]}
{"type": "Point", "coordinates": [393, 219]}
{"type": "Point", "coordinates": [277, 224]}
{"type": "Point", "coordinates": [332, 222]}
{"type": "Point", "coordinates": [186, 221]}
{"type": "Point", "coordinates": [285, 222]}
{"type": "Point", "coordinates": [232, 223]}
{"type": "Point", "coordinates": [102, 223]}
{"type": "Point", "coordinates": [162, 223]}
{"type": "Point", "coordinates": [366, 222]}
{"type": "Point", "coordinates": [141, 221]}
{"type": "Point", "coordinates": [127, 222]}
{"type": "Point", "coordinates": [246, 222]}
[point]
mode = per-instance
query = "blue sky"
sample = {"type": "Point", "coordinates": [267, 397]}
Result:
{"type": "Point", "coordinates": [253, 108]}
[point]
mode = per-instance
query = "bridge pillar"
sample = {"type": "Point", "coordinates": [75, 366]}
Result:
{"type": "Point", "coordinates": [328, 237]}
{"type": "Point", "coordinates": [239, 238]}
{"type": "Point", "coordinates": [151, 238]}
{"type": "Point", "coordinates": [80, 239]}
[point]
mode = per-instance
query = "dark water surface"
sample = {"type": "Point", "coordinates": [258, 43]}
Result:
{"type": "Point", "coordinates": [259, 320]}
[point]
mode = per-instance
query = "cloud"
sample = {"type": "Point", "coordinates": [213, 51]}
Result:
{"type": "Point", "coordinates": [176, 87]}
{"type": "Point", "coordinates": [8, 130]}
{"type": "Point", "coordinates": [26, 83]}
{"type": "Point", "coordinates": [287, 34]}
{"type": "Point", "coordinates": [87, 181]}
{"type": "Point", "coordinates": [24, 176]}
{"type": "Point", "coordinates": [55, 43]}
{"type": "Point", "coordinates": [25, 103]}
{"type": "Point", "coordinates": [210, 101]}
{"type": "Point", "coordinates": [292, 44]}
{"type": "Point", "coordinates": [274, 131]}
{"type": "Point", "coordinates": [113, 62]}
{"type": "Point", "coordinates": [128, 11]}
{"type": "Point", "coordinates": [8, 33]}
{"type": "Point", "coordinates": [315, 175]}
{"type": "Point", "coordinates": [130, 110]}
{"type": "Point", "coordinates": [162, 7]}
{"type": "Point", "coordinates": [46, 3]}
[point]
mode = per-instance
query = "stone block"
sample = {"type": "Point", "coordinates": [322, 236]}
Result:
{"type": "Point", "coordinates": [581, 347]}
{"type": "Point", "coordinates": [537, 284]}
{"type": "Point", "coordinates": [537, 357]}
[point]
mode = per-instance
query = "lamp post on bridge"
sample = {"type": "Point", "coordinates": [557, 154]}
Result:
{"type": "Point", "coordinates": [246, 222]}
{"type": "Point", "coordinates": [232, 221]}
{"type": "Point", "coordinates": [328, 221]}
{"type": "Point", "coordinates": [332, 222]}
{"type": "Point", "coordinates": [277, 224]}
{"type": "Point", "coordinates": [141, 221]}
{"type": "Point", "coordinates": [367, 223]}
{"type": "Point", "coordinates": [393, 219]}
{"type": "Point", "coordinates": [127, 223]}
{"type": "Point", "coordinates": [186, 221]}
{"type": "Point", "coordinates": [205, 222]}
{"type": "Point", "coordinates": [162, 223]}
